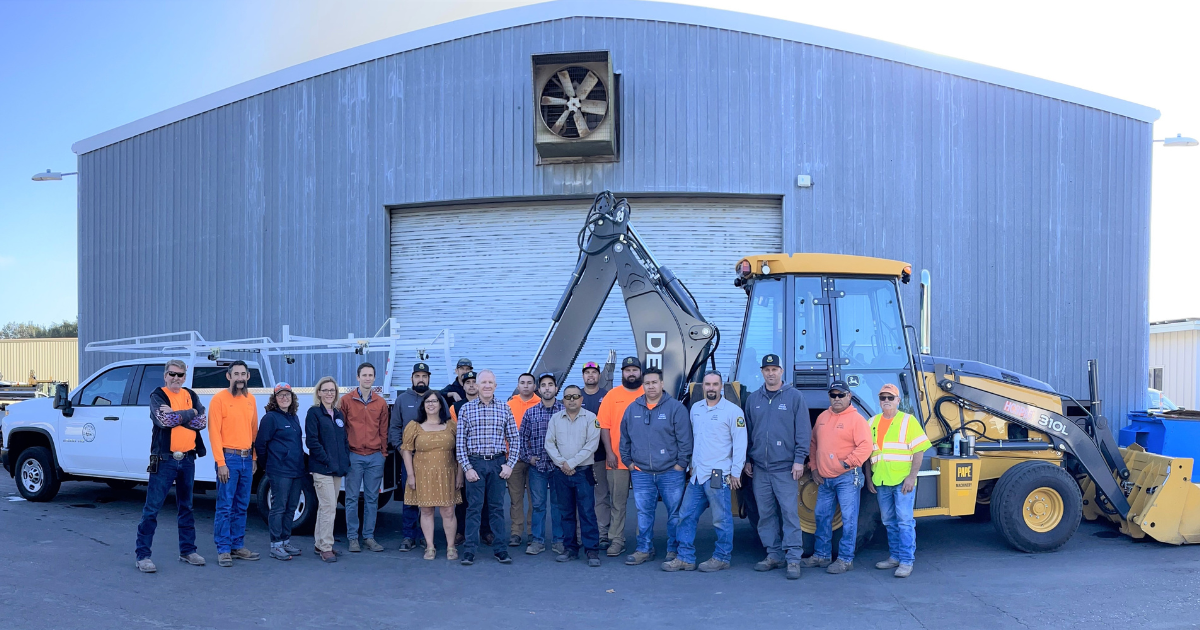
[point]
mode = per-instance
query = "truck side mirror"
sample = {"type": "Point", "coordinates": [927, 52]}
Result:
{"type": "Point", "coordinates": [61, 399]}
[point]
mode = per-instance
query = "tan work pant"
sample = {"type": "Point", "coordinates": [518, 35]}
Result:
{"type": "Point", "coordinates": [327, 500]}
{"type": "Point", "coordinates": [603, 500]}
{"type": "Point", "coordinates": [518, 484]}
{"type": "Point", "coordinates": [618, 488]}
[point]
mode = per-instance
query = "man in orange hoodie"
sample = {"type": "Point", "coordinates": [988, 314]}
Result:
{"type": "Point", "coordinates": [841, 442]}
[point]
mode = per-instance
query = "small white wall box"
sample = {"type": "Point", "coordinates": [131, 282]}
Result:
{"type": "Point", "coordinates": [804, 181]}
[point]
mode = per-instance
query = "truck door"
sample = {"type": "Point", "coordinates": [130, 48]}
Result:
{"type": "Point", "coordinates": [90, 440]}
{"type": "Point", "coordinates": [869, 343]}
{"type": "Point", "coordinates": [137, 429]}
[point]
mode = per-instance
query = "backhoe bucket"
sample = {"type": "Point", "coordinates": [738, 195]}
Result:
{"type": "Point", "coordinates": [1164, 502]}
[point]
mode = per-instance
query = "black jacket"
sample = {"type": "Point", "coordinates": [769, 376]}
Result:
{"type": "Point", "coordinates": [280, 444]}
{"type": "Point", "coordinates": [656, 440]}
{"type": "Point", "coordinates": [778, 428]}
{"type": "Point", "coordinates": [325, 435]}
{"type": "Point", "coordinates": [404, 410]}
{"type": "Point", "coordinates": [194, 419]}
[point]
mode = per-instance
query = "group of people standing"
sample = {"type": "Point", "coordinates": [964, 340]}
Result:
{"type": "Point", "coordinates": [465, 450]}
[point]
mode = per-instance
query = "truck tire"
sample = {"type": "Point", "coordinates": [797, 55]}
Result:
{"type": "Point", "coordinates": [1036, 506]}
{"type": "Point", "coordinates": [305, 516]}
{"type": "Point", "coordinates": [37, 476]}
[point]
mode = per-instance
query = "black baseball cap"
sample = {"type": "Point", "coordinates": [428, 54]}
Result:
{"type": "Point", "coordinates": [839, 386]}
{"type": "Point", "coordinates": [468, 376]}
{"type": "Point", "coordinates": [464, 362]}
{"type": "Point", "coordinates": [631, 362]}
{"type": "Point", "coordinates": [771, 360]}
{"type": "Point", "coordinates": [420, 367]}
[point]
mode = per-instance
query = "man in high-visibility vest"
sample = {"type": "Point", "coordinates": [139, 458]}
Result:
{"type": "Point", "coordinates": [898, 445]}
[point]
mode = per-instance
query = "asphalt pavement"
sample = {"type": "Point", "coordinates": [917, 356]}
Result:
{"type": "Point", "coordinates": [70, 564]}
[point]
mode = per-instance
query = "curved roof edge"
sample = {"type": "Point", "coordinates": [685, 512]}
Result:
{"type": "Point", "coordinates": [627, 9]}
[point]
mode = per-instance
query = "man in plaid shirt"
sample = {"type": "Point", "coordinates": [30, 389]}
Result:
{"type": "Point", "coordinates": [533, 452]}
{"type": "Point", "coordinates": [484, 424]}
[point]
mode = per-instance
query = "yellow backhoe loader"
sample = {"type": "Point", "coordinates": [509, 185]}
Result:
{"type": "Point", "coordinates": [1036, 459]}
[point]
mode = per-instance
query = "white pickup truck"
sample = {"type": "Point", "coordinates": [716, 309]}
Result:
{"type": "Point", "coordinates": [101, 430]}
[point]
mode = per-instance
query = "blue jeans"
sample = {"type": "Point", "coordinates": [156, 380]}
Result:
{"type": "Point", "coordinates": [576, 492]}
{"type": "Point", "coordinates": [841, 491]}
{"type": "Point", "coordinates": [647, 487]}
{"type": "Point", "coordinates": [411, 525]}
{"type": "Point", "coordinates": [365, 475]}
{"type": "Point", "coordinates": [542, 492]}
{"type": "Point", "coordinates": [180, 474]}
{"type": "Point", "coordinates": [698, 497]}
{"type": "Point", "coordinates": [896, 508]}
{"type": "Point", "coordinates": [233, 497]}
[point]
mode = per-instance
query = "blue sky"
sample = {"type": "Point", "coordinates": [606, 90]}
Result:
{"type": "Point", "coordinates": [72, 69]}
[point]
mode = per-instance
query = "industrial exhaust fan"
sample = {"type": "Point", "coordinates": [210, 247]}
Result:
{"type": "Point", "coordinates": [575, 105]}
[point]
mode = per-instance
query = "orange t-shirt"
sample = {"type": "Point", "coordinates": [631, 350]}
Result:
{"type": "Point", "coordinates": [519, 407]}
{"type": "Point", "coordinates": [232, 423]}
{"type": "Point", "coordinates": [612, 409]}
{"type": "Point", "coordinates": [183, 439]}
{"type": "Point", "coordinates": [837, 438]}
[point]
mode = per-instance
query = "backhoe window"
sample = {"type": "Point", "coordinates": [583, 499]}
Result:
{"type": "Point", "coordinates": [869, 331]}
{"type": "Point", "coordinates": [810, 321]}
{"type": "Point", "coordinates": [764, 330]}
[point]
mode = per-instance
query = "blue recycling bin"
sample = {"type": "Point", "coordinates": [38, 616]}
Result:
{"type": "Point", "coordinates": [1174, 437]}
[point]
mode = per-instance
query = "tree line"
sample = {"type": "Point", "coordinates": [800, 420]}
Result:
{"type": "Point", "coordinates": [30, 330]}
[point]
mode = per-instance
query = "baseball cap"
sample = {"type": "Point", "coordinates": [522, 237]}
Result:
{"type": "Point", "coordinates": [420, 367]}
{"type": "Point", "coordinates": [282, 386]}
{"type": "Point", "coordinates": [544, 375]}
{"type": "Point", "coordinates": [469, 376]}
{"type": "Point", "coordinates": [591, 365]}
{"type": "Point", "coordinates": [465, 362]}
{"type": "Point", "coordinates": [839, 386]}
{"type": "Point", "coordinates": [770, 360]}
{"type": "Point", "coordinates": [631, 362]}
{"type": "Point", "coordinates": [891, 389]}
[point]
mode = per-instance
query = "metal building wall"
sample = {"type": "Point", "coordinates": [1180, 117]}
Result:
{"type": "Point", "coordinates": [1031, 213]}
{"type": "Point", "coordinates": [1178, 354]}
{"type": "Point", "coordinates": [49, 359]}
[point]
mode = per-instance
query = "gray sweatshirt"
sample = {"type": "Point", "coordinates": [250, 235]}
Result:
{"type": "Point", "coordinates": [404, 410]}
{"type": "Point", "coordinates": [778, 427]}
{"type": "Point", "coordinates": [655, 440]}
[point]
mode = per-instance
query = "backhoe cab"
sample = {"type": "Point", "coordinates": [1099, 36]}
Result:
{"type": "Point", "coordinates": [1004, 443]}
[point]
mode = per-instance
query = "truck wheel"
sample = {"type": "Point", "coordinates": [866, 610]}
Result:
{"type": "Point", "coordinates": [37, 478]}
{"type": "Point", "coordinates": [305, 516]}
{"type": "Point", "coordinates": [1037, 507]}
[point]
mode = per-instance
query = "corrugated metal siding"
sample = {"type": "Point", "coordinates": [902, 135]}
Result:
{"type": "Point", "coordinates": [1031, 213]}
{"type": "Point", "coordinates": [48, 359]}
{"type": "Point", "coordinates": [1178, 354]}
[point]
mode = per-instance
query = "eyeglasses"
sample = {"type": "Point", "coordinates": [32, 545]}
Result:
{"type": "Point", "coordinates": [177, 374]}
{"type": "Point", "coordinates": [833, 395]}
{"type": "Point", "coordinates": [886, 397]}
{"type": "Point", "coordinates": [572, 396]}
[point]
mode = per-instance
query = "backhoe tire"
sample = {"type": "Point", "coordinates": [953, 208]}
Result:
{"type": "Point", "coordinates": [1036, 507]}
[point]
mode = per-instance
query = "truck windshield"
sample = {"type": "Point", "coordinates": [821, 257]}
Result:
{"type": "Point", "coordinates": [764, 332]}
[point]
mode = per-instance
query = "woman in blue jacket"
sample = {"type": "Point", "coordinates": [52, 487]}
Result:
{"type": "Point", "coordinates": [280, 448]}
{"type": "Point", "coordinates": [328, 460]}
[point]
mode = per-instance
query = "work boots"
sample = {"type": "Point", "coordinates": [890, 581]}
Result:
{"type": "Point", "coordinates": [839, 566]}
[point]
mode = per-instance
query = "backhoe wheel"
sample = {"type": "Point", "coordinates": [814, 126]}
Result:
{"type": "Point", "coordinates": [1037, 506]}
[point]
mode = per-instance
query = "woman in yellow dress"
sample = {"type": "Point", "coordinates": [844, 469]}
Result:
{"type": "Point", "coordinates": [435, 479]}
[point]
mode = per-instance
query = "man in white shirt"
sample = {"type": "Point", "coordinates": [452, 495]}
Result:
{"type": "Point", "coordinates": [718, 455]}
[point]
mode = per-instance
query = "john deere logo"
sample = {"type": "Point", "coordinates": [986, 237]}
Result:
{"type": "Point", "coordinates": [963, 472]}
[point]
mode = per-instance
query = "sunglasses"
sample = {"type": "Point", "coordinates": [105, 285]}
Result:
{"type": "Point", "coordinates": [177, 374]}
{"type": "Point", "coordinates": [887, 397]}
{"type": "Point", "coordinates": [572, 397]}
{"type": "Point", "coordinates": [833, 395]}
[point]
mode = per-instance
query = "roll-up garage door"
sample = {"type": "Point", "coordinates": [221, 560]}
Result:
{"type": "Point", "coordinates": [493, 273]}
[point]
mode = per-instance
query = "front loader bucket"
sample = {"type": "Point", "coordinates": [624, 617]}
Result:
{"type": "Point", "coordinates": [1164, 502]}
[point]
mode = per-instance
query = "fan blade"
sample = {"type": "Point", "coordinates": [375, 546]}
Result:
{"type": "Point", "coordinates": [581, 124]}
{"type": "Point", "coordinates": [553, 100]}
{"type": "Point", "coordinates": [585, 87]}
{"type": "Point", "coordinates": [564, 80]}
{"type": "Point", "coordinates": [594, 107]}
{"type": "Point", "coordinates": [562, 120]}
